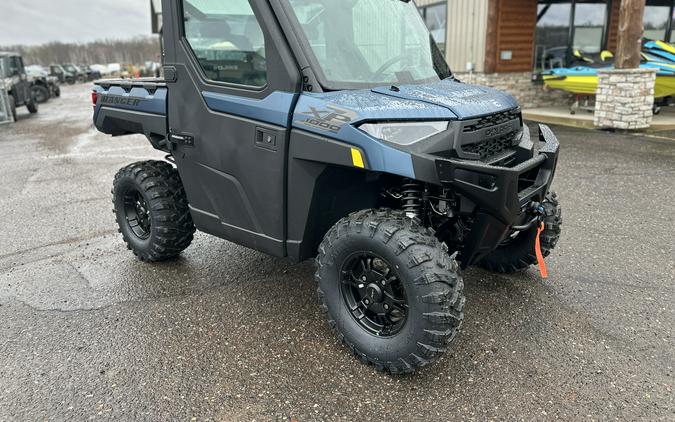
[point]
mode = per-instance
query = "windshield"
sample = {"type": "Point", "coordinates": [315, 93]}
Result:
{"type": "Point", "coordinates": [366, 43]}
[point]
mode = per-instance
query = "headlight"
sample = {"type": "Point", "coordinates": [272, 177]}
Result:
{"type": "Point", "coordinates": [404, 133]}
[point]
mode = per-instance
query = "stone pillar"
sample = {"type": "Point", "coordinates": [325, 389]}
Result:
{"type": "Point", "coordinates": [625, 98]}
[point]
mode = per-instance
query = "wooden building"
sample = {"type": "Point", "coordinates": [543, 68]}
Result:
{"type": "Point", "coordinates": [504, 43]}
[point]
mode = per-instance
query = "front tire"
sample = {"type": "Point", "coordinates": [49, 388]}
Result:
{"type": "Point", "coordinates": [390, 290]}
{"type": "Point", "coordinates": [152, 210]}
{"type": "Point", "coordinates": [518, 254]}
{"type": "Point", "coordinates": [41, 94]}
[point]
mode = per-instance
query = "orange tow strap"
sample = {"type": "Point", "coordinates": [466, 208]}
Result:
{"type": "Point", "coordinates": [540, 256]}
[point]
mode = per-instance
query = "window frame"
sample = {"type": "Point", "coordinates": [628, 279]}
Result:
{"type": "Point", "coordinates": [198, 66]}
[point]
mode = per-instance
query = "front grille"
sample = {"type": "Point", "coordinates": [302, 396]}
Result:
{"type": "Point", "coordinates": [493, 120]}
{"type": "Point", "coordinates": [491, 147]}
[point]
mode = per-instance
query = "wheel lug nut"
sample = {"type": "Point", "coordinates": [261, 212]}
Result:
{"type": "Point", "coordinates": [366, 301]}
{"type": "Point", "coordinates": [384, 282]}
{"type": "Point", "coordinates": [386, 307]}
{"type": "Point", "coordinates": [364, 278]}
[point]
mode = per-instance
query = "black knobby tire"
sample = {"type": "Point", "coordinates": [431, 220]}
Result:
{"type": "Point", "coordinates": [41, 94]}
{"type": "Point", "coordinates": [429, 281]}
{"type": "Point", "coordinates": [32, 105]}
{"type": "Point", "coordinates": [519, 254]}
{"type": "Point", "coordinates": [12, 108]}
{"type": "Point", "coordinates": [152, 210]}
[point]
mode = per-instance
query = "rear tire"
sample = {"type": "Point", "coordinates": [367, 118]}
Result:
{"type": "Point", "coordinates": [152, 210]}
{"type": "Point", "coordinates": [32, 106]}
{"type": "Point", "coordinates": [12, 108]}
{"type": "Point", "coordinates": [519, 254]}
{"type": "Point", "coordinates": [390, 290]}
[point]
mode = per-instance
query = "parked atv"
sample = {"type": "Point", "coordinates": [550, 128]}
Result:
{"type": "Point", "coordinates": [335, 130]}
{"type": "Point", "coordinates": [44, 86]}
{"type": "Point", "coordinates": [17, 84]}
{"type": "Point", "coordinates": [74, 70]}
{"type": "Point", "coordinates": [90, 74]}
{"type": "Point", "coordinates": [63, 76]}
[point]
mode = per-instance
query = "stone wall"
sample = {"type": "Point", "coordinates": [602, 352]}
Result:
{"type": "Point", "coordinates": [528, 93]}
{"type": "Point", "coordinates": [625, 98]}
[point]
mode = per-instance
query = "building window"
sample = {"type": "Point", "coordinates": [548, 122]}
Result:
{"type": "Point", "coordinates": [436, 17]}
{"type": "Point", "coordinates": [658, 20]}
{"type": "Point", "coordinates": [566, 26]}
{"type": "Point", "coordinates": [589, 27]}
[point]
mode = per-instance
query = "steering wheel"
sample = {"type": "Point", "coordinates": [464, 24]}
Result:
{"type": "Point", "coordinates": [389, 63]}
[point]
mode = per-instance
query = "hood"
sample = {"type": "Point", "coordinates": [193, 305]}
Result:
{"type": "Point", "coordinates": [463, 100]}
{"type": "Point", "coordinates": [447, 99]}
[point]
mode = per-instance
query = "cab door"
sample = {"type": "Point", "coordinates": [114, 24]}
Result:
{"type": "Point", "coordinates": [19, 80]}
{"type": "Point", "coordinates": [232, 87]}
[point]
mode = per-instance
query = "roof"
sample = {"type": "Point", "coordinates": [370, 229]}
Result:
{"type": "Point", "coordinates": [8, 53]}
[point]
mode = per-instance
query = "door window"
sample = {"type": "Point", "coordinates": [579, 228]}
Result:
{"type": "Point", "coordinates": [227, 40]}
{"type": "Point", "coordinates": [15, 65]}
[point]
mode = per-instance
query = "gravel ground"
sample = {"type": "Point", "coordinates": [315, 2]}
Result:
{"type": "Point", "coordinates": [225, 333]}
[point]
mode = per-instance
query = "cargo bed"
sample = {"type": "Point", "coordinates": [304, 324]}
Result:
{"type": "Point", "coordinates": [132, 106]}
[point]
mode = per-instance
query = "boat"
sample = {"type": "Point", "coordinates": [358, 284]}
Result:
{"type": "Point", "coordinates": [583, 80]}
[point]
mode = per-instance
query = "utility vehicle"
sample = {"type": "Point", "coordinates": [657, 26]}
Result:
{"type": "Point", "coordinates": [63, 76]}
{"type": "Point", "coordinates": [304, 128]}
{"type": "Point", "coordinates": [17, 83]}
{"type": "Point", "coordinates": [44, 86]}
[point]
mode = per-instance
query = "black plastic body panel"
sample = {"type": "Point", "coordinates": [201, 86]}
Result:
{"type": "Point", "coordinates": [323, 186]}
{"type": "Point", "coordinates": [118, 122]}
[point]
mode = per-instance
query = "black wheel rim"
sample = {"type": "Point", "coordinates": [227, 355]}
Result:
{"type": "Point", "coordinates": [374, 294]}
{"type": "Point", "coordinates": [137, 214]}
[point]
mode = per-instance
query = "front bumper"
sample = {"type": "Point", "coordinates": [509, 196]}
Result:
{"type": "Point", "coordinates": [500, 195]}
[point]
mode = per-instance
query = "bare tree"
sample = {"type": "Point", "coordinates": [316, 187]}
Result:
{"type": "Point", "coordinates": [134, 51]}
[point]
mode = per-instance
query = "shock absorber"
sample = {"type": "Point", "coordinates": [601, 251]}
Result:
{"type": "Point", "coordinates": [411, 198]}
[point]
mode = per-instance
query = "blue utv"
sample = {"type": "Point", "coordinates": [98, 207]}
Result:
{"type": "Point", "coordinates": [305, 128]}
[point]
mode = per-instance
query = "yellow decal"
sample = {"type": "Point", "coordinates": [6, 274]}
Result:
{"type": "Point", "coordinates": [357, 158]}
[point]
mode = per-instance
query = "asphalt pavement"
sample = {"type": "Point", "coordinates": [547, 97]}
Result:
{"type": "Point", "coordinates": [88, 332]}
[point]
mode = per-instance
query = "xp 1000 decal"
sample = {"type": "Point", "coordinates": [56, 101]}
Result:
{"type": "Point", "coordinates": [330, 119]}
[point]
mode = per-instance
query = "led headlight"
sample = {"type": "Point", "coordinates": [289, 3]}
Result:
{"type": "Point", "coordinates": [404, 133]}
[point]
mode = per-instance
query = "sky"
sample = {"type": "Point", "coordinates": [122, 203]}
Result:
{"type": "Point", "coordinates": [32, 22]}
